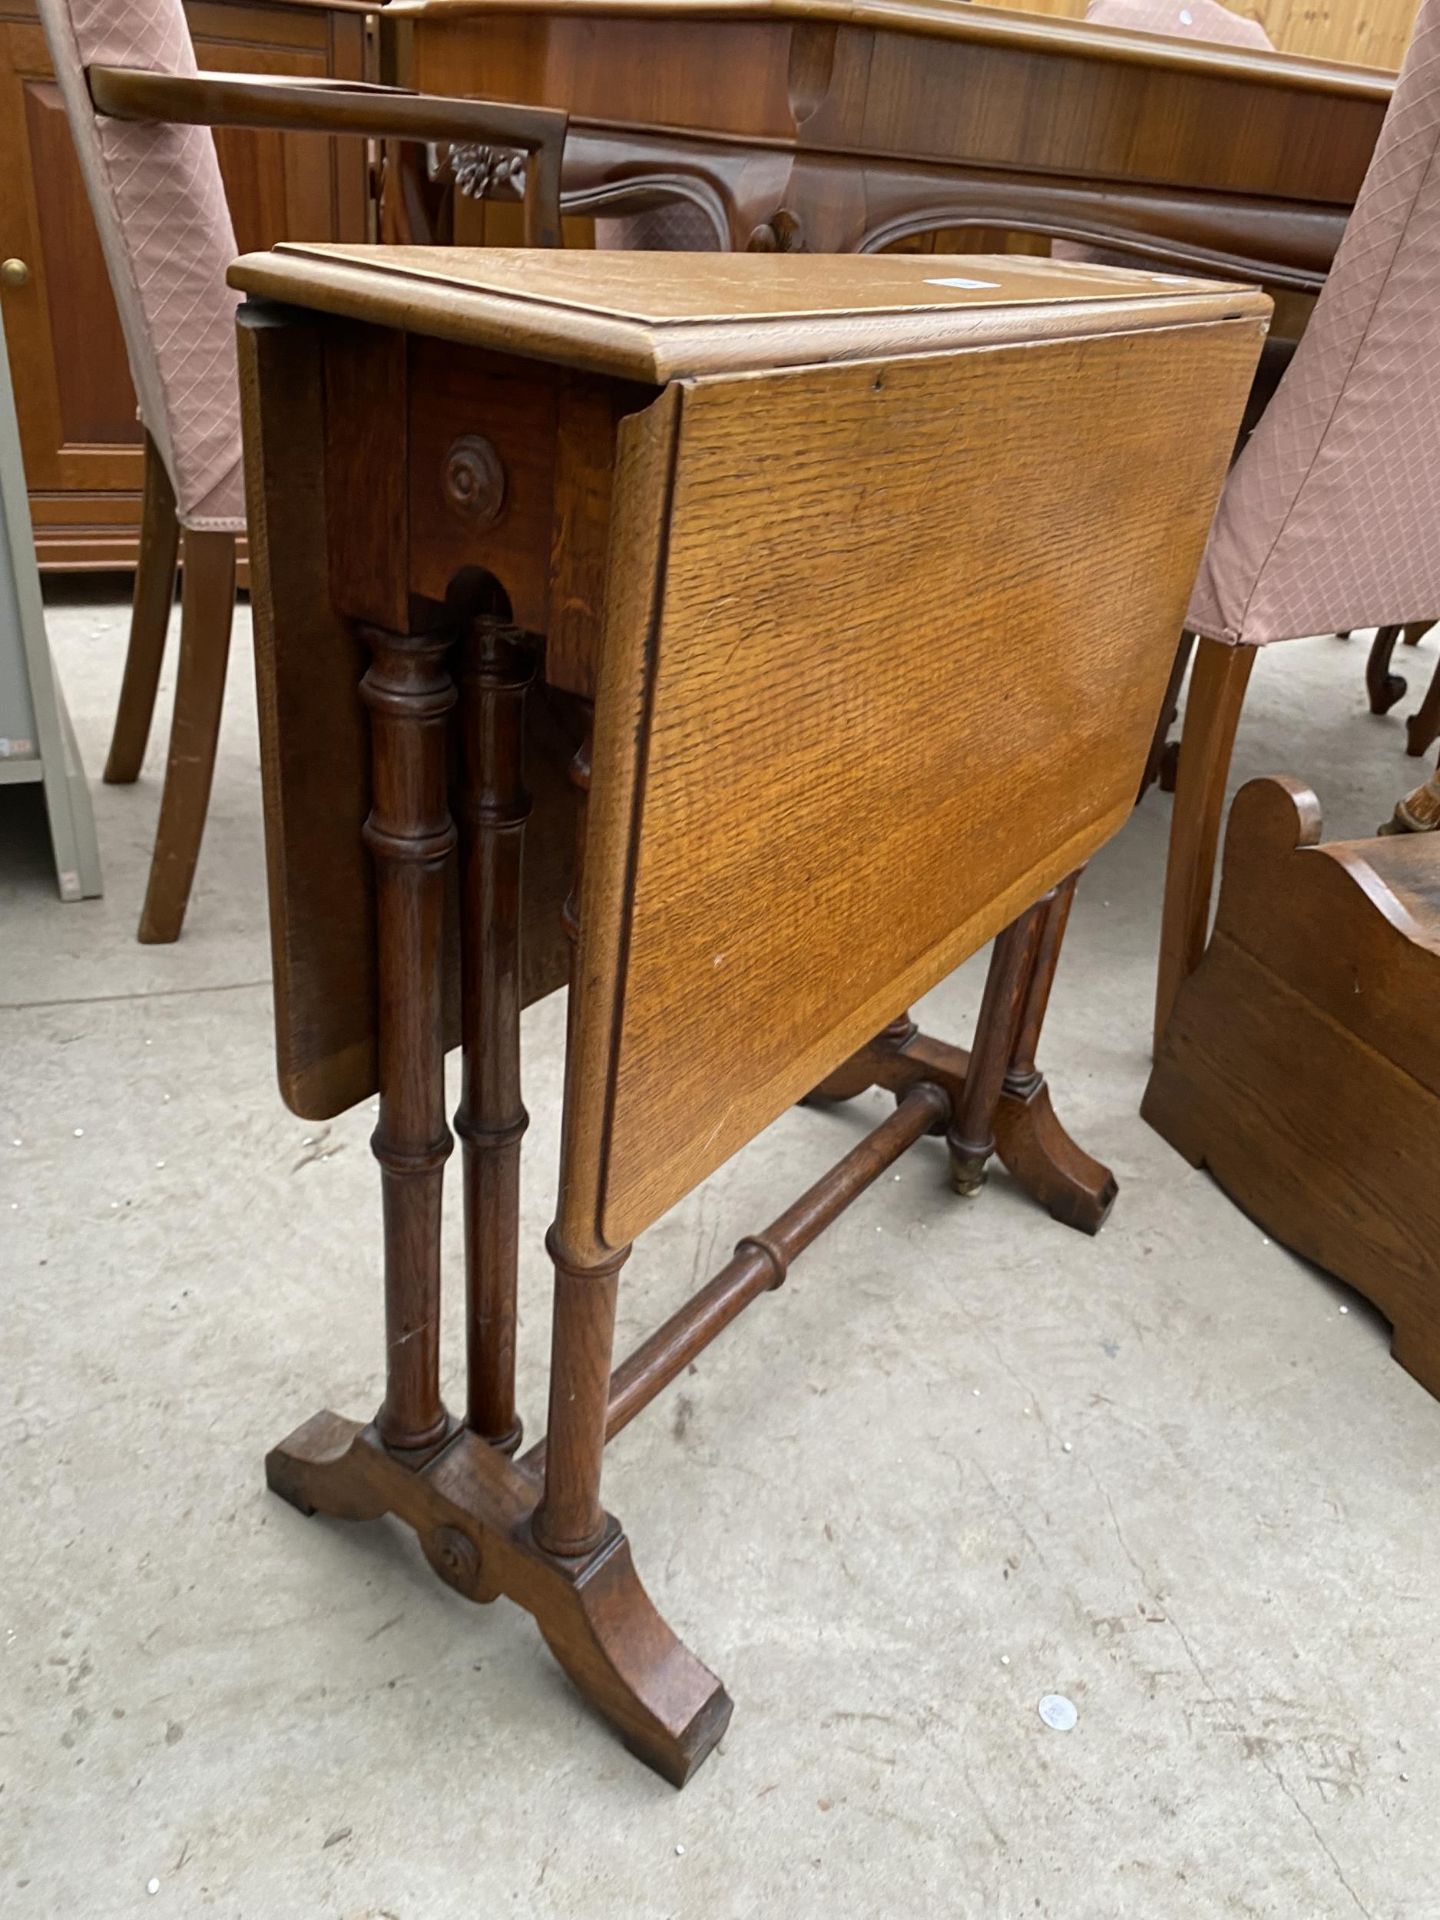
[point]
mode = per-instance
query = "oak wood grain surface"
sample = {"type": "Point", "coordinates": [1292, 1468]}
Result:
{"type": "Point", "coordinates": [816, 789]}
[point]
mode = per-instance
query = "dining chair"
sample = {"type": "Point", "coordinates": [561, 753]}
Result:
{"type": "Point", "coordinates": [140, 113]}
{"type": "Point", "coordinates": [1329, 518]}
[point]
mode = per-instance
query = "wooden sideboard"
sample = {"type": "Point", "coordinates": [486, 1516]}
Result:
{"type": "Point", "coordinates": [836, 126]}
{"type": "Point", "coordinates": [79, 434]}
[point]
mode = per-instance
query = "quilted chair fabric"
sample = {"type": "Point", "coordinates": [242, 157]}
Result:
{"type": "Point", "coordinates": [1182, 20]}
{"type": "Point", "coordinates": [1330, 518]}
{"type": "Point", "coordinates": [160, 208]}
{"type": "Point", "coordinates": [680, 227]}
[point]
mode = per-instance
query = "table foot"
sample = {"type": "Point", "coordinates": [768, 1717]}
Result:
{"type": "Point", "coordinates": [969, 1172]}
{"type": "Point", "coordinates": [620, 1654]}
{"type": "Point", "coordinates": [472, 1508]}
{"type": "Point", "coordinates": [320, 1468]}
{"type": "Point", "coordinates": [1072, 1186]}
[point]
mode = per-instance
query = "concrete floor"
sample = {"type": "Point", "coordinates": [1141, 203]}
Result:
{"type": "Point", "coordinates": [967, 1459]}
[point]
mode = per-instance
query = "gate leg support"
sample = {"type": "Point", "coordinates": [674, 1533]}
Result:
{"type": "Point", "coordinates": [971, 1138]}
{"type": "Point", "coordinates": [1074, 1188]}
{"type": "Point", "coordinates": [411, 836]}
{"type": "Point", "coordinates": [497, 666]}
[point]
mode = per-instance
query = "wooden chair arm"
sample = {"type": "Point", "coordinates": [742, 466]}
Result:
{"type": "Point", "coordinates": [294, 104]}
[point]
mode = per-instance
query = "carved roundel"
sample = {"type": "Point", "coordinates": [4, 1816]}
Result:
{"type": "Point", "coordinates": [455, 1557]}
{"type": "Point", "coordinates": [474, 481]}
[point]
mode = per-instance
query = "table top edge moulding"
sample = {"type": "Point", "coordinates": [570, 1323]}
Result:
{"type": "Point", "coordinates": [588, 310]}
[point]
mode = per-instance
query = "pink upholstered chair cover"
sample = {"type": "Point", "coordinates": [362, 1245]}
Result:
{"type": "Point", "coordinates": [1182, 20]}
{"type": "Point", "coordinates": [1330, 518]}
{"type": "Point", "coordinates": [160, 207]}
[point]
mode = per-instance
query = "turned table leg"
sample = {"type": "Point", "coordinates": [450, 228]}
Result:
{"type": "Point", "coordinates": [475, 1510]}
{"type": "Point", "coordinates": [411, 836]}
{"type": "Point", "coordinates": [1022, 1075]}
{"type": "Point", "coordinates": [497, 665]}
{"type": "Point", "coordinates": [569, 1519]}
{"type": "Point", "coordinates": [1020, 1125]}
{"type": "Point", "coordinates": [971, 1137]}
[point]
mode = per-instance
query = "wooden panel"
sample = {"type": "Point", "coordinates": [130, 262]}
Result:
{"type": "Point", "coordinates": [72, 385]}
{"type": "Point", "coordinates": [510, 407]}
{"type": "Point", "coordinates": [92, 375]}
{"type": "Point", "coordinates": [1301, 1063]}
{"type": "Point", "coordinates": [553, 62]}
{"type": "Point", "coordinates": [1386, 893]}
{"type": "Point", "coordinates": [314, 739]}
{"type": "Point", "coordinates": [1068, 112]}
{"type": "Point", "coordinates": [1072, 102]}
{"type": "Point", "coordinates": [367, 537]}
{"type": "Point", "coordinates": [862, 125]}
{"type": "Point", "coordinates": [585, 428]}
{"type": "Point", "coordinates": [909, 638]}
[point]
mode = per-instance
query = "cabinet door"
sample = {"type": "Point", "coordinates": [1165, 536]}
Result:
{"type": "Point", "coordinates": [78, 431]}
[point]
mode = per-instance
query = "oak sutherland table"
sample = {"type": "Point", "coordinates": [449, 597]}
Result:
{"type": "Point", "coordinates": [802, 568]}
{"type": "Point", "coordinates": [838, 126]}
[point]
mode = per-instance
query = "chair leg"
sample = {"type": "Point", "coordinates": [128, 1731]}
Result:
{"type": "Point", "coordinates": [207, 607]}
{"type": "Point", "coordinates": [1423, 727]}
{"type": "Point", "coordinates": [1382, 687]}
{"type": "Point", "coordinates": [149, 621]}
{"type": "Point", "coordinates": [1156, 760]}
{"type": "Point", "coordinates": [1212, 713]}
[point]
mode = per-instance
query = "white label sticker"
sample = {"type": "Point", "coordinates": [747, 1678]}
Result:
{"type": "Point", "coordinates": [962, 283]}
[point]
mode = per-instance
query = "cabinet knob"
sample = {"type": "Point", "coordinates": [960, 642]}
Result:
{"type": "Point", "coordinates": [14, 273]}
